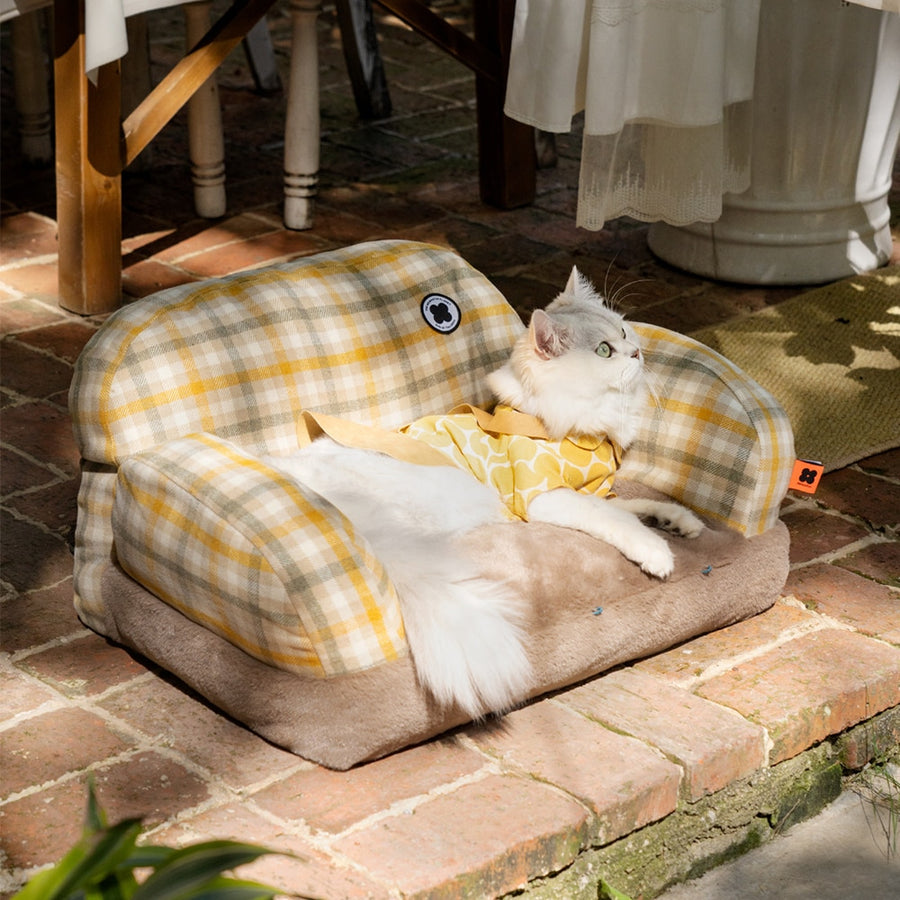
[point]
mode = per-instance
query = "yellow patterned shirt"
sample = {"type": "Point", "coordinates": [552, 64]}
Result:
{"type": "Point", "coordinates": [520, 466]}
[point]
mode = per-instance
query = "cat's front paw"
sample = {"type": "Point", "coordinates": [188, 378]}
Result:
{"type": "Point", "coordinates": [676, 519]}
{"type": "Point", "coordinates": [655, 557]}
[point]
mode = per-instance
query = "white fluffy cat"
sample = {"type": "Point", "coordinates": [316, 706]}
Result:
{"type": "Point", "coordinates": [579, 369]}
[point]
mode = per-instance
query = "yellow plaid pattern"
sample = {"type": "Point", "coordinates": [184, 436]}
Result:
{"type": "Point", "coordinates": [254, 557]}
{"type": "Point", "coordinates": [177, 396]}
{"type": "Point", "coordinates": [714, 439]}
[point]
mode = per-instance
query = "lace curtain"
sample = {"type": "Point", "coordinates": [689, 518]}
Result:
{"type": "Point", "coordinates": [665, 87]}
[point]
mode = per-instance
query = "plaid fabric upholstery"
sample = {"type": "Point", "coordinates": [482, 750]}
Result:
{"type": "Point", "coordinates": [715, 440]}
{"type": "Point", "coordinates": [178, 394]}
{"type": "Point", "coordinates": [248, 554]}
{"type": "Point", "coordinates": [239, 357]}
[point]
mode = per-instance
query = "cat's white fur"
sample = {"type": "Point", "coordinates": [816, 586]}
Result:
{"type": "Point", "coordinates": [464, 631]}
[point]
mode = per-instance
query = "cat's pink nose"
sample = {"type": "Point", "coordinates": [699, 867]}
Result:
{"type": "Point", "coordinates": [636, 354]}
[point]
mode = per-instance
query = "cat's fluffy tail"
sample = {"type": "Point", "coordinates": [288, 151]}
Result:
{"type": "Point", "coordinates": [464, 631]}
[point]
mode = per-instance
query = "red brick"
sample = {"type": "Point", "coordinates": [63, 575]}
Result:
{"type": "Point", "coordinates": [150, 787]}
{"type": "Point", "coordinates": [874, 739]}
{"type": "Point", "coordinates": [714, 746]}
{"type": "Point", "coordinates": [506, 251]}
{"type": "Point", "coordinates": [248, 254]}
{"type": "Point", "coordinates": [878, 561]}
{"type": "Point", "coordinates": [64, 340]}
{"type": "Point", "coordinates": [483, 839]}
{"type": "Point", "coordinates": [886, 464]}
{"type": "Point", "coordinates": [308, 872]}
{"type": "Point", "coordinates": [870, 608]}
{"type": "Point", "coordinates": [149, 276]}
{"type": "Point", "coordinates": [332, 801]}
{"type": "Point", "coordinates": [873, 499]}
{"type": "Point", "coordinates": [44, 432]}
{"type": "Point", "coordinates": [31, 373]}
{"type": "Point", "coordinates": [19, 694]}
{"type": "Point", "coordinates": [689, 663]}
{"type": "Point", "coordinates": [47, 746]}
{"type": "Point", "coordinates": [815, 532]}
{"type": "Point", "coordinates": [624, 782]}
{"type": "Point", "coordinates": [39, 616]}
{"type": "Point", "coordinates": [22, 313]}
{"type": "Point", "coordinates": [18, 473]}
{"type": "Point", "coordinates": [39, 281]}
{"type": "Point", "coordinates": [54, 506]}
{"type": "Point", "coordinates": [230, 232]}
{"type": "Point", "coordinates": [25, 235]}
{"type": "Point", "coordinates": [29, 557]}
{"type": "Point", "coordinates": [39, 828]}
{"type": "Point", "coordinates": [336, 226]}
{"type": "Point", "coordinates": [83, 667]}
{"type": "Point", "coordinates": [811, 687]}
{"type": "Point", "coordinates": [166, 713]}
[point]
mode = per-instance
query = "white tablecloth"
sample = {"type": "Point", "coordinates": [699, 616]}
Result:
{"type": "Point", "coordinates": [104, 24]}
{"type": "Point", "coordinates": [665, 87]}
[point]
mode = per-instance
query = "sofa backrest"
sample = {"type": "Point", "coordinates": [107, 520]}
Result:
{"type": "Point", "coordinates": [345, 332]}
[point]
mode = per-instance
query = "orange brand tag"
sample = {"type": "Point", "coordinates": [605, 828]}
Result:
{"type": "Point", "coordinates": [806, 475]}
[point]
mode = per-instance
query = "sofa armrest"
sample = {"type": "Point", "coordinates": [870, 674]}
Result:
{"type": "Point", "coordinates": [714, 439]}
{"type": "Point", "coordinates": [254, 557]}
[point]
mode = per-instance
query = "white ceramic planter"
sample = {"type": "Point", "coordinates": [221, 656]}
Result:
{"type": "Point", "coordinates": [826, 113]}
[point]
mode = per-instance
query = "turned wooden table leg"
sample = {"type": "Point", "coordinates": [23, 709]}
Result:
{"type": "Point", "coordinates": [205, 139]}
{"type": "Point", "coordinates": [88, 171]}
{"type": "Point", "coordinates": [301, 133]}
{"type": "Point", "coordinates": [32, 93]}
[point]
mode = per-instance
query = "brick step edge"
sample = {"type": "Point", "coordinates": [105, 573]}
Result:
{"type": "Point", "coordinates": [699, 836]}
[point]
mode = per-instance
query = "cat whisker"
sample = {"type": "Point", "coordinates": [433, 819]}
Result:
{"type": "Point", "coordinates": [651, 382]}
{"type": "Point", "coordinates": [606, 276]}
{"type": "Point", "coordinates": [619, 295]}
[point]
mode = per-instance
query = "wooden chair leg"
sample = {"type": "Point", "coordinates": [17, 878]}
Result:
{"type": "Point", "coordinates": [506, 149]}
{"type": "Point", "coordinates": [261, 58]}
{"type": "Point", "coordinates": [205, 139]}
{"type": "Point", "coordinates": [363, 58]}
{"type": "Point", "coordinates": [31, 89]}
{"type": "Point", "coordinates": [301, 133]}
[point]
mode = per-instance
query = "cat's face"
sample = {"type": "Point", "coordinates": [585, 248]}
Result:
{"type": "Point", "coordinates": [579, 367]}
{"type": "Point", "coordinates": [580, 331]}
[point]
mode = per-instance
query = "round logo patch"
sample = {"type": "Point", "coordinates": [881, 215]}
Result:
{"type": "Point", "coordinates": [441, 313]}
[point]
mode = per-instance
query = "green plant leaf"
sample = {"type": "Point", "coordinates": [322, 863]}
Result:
{"type": "Point", "coordinates": [110, 848]}
{"type": "Point", "coordinates": [93, 856]}
{"type": "Point", "coordinates": [149, 856]}
{"type": "Point", "coordinates": [608, 892]}
{"type": "Point", "coordinates": [95, 817]}
{"type": "Point", "coordinates": [233, 889]}
{"type": "Point", "coordinates": [192, 867]}
{"type": "Point", "coordinates": [45, 885]}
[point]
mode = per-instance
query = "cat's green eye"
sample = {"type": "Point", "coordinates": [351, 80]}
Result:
{"type": "Point", "coordinates": [603, 350]}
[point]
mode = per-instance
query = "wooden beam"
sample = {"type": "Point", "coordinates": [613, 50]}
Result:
{"type": "Point", "coordinates": [472, 53]}
{"type": "Point", "coordinates": [189, 74]}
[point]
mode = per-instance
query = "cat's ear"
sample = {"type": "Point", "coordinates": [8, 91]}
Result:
{"type": "Point", "coordinates": [580, 288]}
{"type": "Point", "coordinates": [548, 337]}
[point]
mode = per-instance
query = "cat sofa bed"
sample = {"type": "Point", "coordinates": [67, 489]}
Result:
{"type": "Point", "coordinates": [257, 594]}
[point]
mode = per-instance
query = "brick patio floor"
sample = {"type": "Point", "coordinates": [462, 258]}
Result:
{"type": "Point", "coordinates": [480, 812]}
